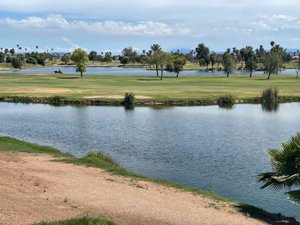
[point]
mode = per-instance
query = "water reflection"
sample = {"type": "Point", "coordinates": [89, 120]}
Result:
{"type": "Point", "coordinates": [129, 107]}
{"type": "Point", "coordinates": [208, 147]}
{"type": "Point", "coordinates": [270, 106]}
{"type": "Point", "coordinates": [226, 106]}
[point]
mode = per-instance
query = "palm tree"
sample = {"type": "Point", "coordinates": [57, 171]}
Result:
{"type": "Point", "coordinates": [156, 48]}
{"type": "Point", "coordinates": [286, 169]}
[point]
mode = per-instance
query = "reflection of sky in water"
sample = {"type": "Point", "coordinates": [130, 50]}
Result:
{"type": "Point", "coordinates": [216, 149]}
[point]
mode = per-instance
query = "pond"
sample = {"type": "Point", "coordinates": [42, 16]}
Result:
{"type": "Point", "coordinates": [119, 71]}
{"type": "Point", "coordinates": [220, 150]}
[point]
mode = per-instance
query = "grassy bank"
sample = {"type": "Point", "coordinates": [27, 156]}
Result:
{"type": "Point", "coordinates": [99, 160]}
{"type": "Point", "coordinates": [79, 221]}
{"type": "Point", "coordinates": [112, 88]}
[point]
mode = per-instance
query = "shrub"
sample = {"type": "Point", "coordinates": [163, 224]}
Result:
{"type": "Point", "coordinates": [31, 60]}
{"type": "Point", "coordinates": [129, 98]}
{"type": "Point", "coordinates": [99, 156]}
{"type": "Point", "coordinates": [226, 100]}
{"type": "Point", "coordinates": [8, 59]}
{"type": "Point", "coordinates": [270, 95]}
{"type": "Point", "coordinates": [56, 99]}
{"type": "Point", "coordinates": [86, 220]}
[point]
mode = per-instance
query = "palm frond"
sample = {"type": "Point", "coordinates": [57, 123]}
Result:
{"type": "Point", "coordinates": [294, 196]}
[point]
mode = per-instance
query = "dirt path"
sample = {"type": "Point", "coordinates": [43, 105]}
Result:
{"type": "Point", "coordinates": [32, 189]}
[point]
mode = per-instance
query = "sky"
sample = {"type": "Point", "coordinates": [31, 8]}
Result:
{"type": "Point", "coordinates": [111, 25]}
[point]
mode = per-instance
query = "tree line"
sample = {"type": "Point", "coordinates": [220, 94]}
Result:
{"type": "Point", "coordinates": [247, 58]}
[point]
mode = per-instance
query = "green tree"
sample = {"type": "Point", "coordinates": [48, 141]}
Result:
{"type": "Point", "coordinates": [219, 60]}
{"type": "Point", "coordinates": [108, 57]}
{"type": "Point", "coordinates": [274, 59]}
{"type": "Point", "coordinates": [213, 60]}
{"type": "Point", "coordinates": [155, 47]}
{"type": "Point", "coordinates": [260, 53]}
{"type": "Point", "coordinates": [66, 58]}
{"type": "Point", "coordinates": [93, 56]}
{"type": "Point", "coordinates": [12, 51]}
{"type": "Point", "coordinates": [161, 59]}
{"type": "Point", "coordinates": [202, 51]}
{"type": "Point", "coordinates": [179, 63]}
{"type": "Point", "coordinates": [246, 53]}
{"type": "Point", "coordinates": [251, 65]}
{"type": "Point", "coordinates": [176, 63]}
{"type": "Point", "coordinates": [228, 63]}
{"type": "Point", "coordinates": [124, 60]}
{"type": "Point", "coordinates": [80, 58]}
{"type": "Point", "coordinates": [16, 63]}
{"type": "Point", "coordinates": [130, 53]}
{"type": "Point", "coordinates": [285, 169]}
{"type": "Point", "coordinates": [272, 63]}
{"type": "Point", "coordinates": [297, 66]}
{"type": "Point", "coordinates": [202, 54]}
{"type": "Point", "coordinates": [2, 57]}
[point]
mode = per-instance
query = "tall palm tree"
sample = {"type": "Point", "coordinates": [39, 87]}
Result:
{"type": "Point", "coordinates": [286, 169]}
{"type": "Point", "coordinates": [156, 48]}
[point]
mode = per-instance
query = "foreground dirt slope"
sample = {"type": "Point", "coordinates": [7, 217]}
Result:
{"type": "Point", "coordinates": [33, 188]}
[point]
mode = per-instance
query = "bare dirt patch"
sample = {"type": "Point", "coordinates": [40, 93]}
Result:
{"type": "Point", "coordinates": [56, 91]}
{"type": "Point", "coordinates": [115, 97]}
{"type": "Point", "coordinates": [34, 188]}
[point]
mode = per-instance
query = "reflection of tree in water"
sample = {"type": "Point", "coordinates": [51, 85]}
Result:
{"type": "Point", "coordinates": [226, 106]}
{"type": "Point", "coordinates": [270, 106]}
{"type": "Point", "coordinates": [129, 107]}
{"type": "Point", "coordinates": [81, 119]}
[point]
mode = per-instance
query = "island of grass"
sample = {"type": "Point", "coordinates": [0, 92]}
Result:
{"type": "Point", "coordinates": [107, 89]}
{"type": "Point", "coordinates": [33, 160]}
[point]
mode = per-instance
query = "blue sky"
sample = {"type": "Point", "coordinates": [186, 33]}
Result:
{"type": "Point", "coordinates": [111, 25]}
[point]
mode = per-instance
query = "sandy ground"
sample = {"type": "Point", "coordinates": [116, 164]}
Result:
{"type": "Point", "coordinates": [33, 188]}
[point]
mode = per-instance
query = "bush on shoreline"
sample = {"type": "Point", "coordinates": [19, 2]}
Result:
{"type": "Point", "coordinates": [270, 95]}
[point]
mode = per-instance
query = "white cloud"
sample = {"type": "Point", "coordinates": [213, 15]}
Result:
{"type": "Point", "coordinates": [277, 22]}
{"type": "Point", "coordinates": [58, 22]}
{"type": "Point", "coordinates": [94, 6]}
{"type": "Point", "coordinates": [70, 42]}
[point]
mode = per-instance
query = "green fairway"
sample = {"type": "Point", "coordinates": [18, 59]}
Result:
{"type": "Point", "coordinates": [145, 88]}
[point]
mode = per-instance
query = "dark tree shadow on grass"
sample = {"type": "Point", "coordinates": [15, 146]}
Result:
{"type": "Point", "coordinates": [67, 78]}
{"type": "Point", "coordinates": [270, 218]}
{"type": "Point", "coordinates": [149, 79]}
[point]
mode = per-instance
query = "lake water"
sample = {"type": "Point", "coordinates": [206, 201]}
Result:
{"type": "Point", "coordinates": [207, 147]}
{"type": "Point", "coordinates": [119, 71]}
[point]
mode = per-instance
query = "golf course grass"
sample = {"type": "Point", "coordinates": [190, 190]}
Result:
{"type": "Point", "coordinates": [106, 87]}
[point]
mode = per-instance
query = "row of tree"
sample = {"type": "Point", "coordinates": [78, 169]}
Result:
{"type": "Point", "coordinates": [246, 58]}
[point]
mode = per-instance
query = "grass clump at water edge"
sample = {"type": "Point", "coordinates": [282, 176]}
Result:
{"type": "Point", "coordinates": [86, 220]}
{"type": "Point", "coordinates": [129, 99]}
{"type": "Point", "coordinates": [226, 101]}
{"type": "Point", "coordinates": [270, 95]}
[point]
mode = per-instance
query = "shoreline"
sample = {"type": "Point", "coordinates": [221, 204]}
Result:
{"type": "Point", "coordinates": [62, 100]}
{"type": "Point", "coordinates": [141, 66]}
{"type": "Point", "coordinates": [49, 169]}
